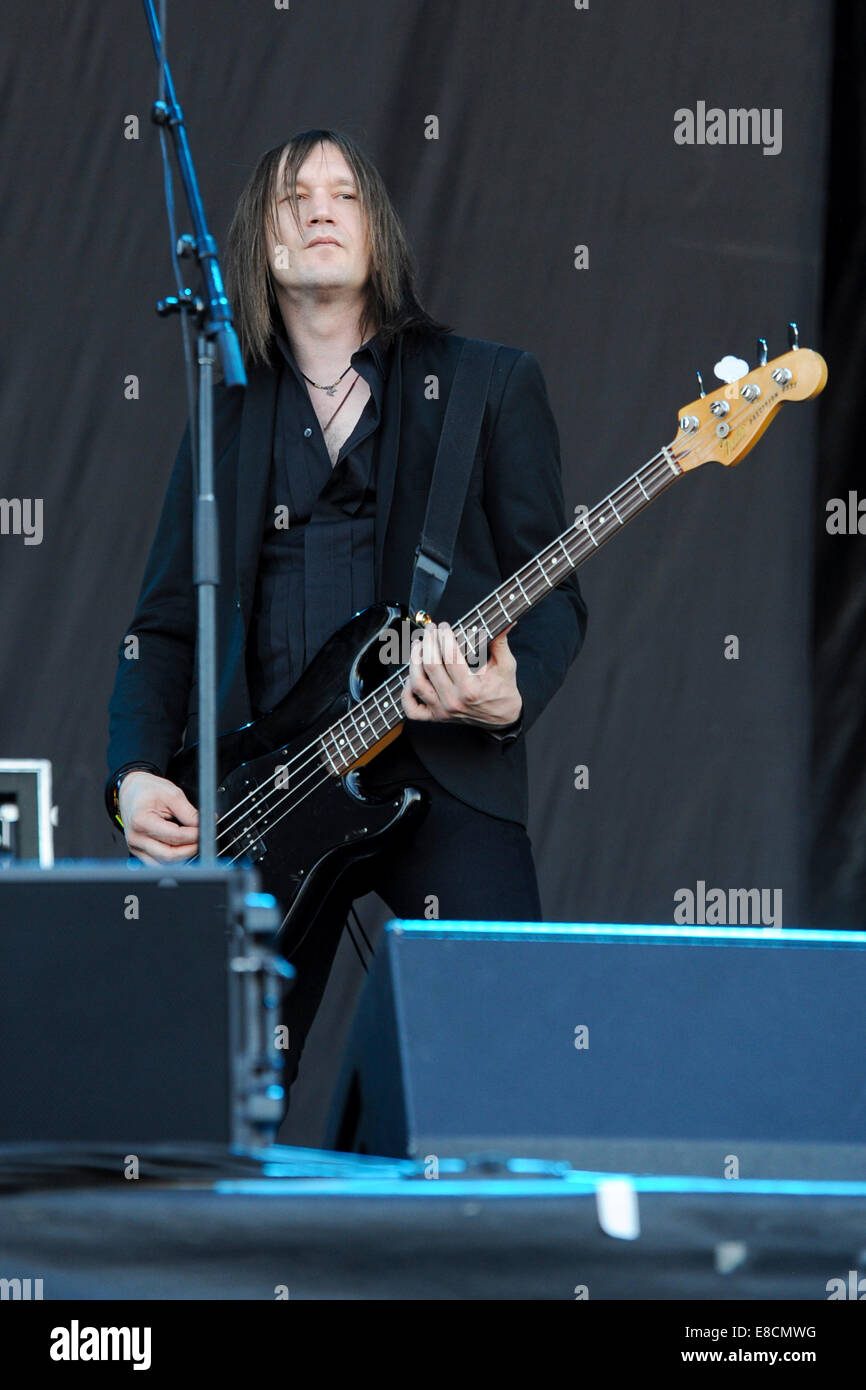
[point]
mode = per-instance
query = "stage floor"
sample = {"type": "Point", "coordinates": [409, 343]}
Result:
{"type": "Point", "coordinates": [373, 1238]}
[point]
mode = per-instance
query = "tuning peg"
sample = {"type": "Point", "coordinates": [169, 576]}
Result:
{"type": "Point", "coordinates": [701, 384]}
{"type": "Point", "coordinates": [762, 352]}
{"type": "Point", "coordinates": [793, 336]}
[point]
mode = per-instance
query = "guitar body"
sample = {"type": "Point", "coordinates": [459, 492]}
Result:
{"type": "Point", "coordinates": [304, 854]}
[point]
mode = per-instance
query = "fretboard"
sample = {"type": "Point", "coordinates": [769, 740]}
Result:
{"type": "Point", "coordinates": [347, 740]}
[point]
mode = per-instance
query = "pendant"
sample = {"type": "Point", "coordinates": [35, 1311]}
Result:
{"type": "Point", "coordinates": [331, 390]}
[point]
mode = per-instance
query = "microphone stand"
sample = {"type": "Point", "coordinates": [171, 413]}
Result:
{"type": "Point", "coordinates": [212, 314]}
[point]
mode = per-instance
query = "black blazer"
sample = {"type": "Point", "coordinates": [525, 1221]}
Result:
{"type": "Point", "coordinates": [514, 507]}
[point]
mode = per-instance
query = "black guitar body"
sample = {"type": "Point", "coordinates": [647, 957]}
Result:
{"type": "Point", "coordinates": [335, 821]}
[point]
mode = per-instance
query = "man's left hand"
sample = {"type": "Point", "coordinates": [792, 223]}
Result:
{"type": "Point", "coordinates": [442, 686]}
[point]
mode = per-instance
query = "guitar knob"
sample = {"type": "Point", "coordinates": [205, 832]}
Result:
{"type": "Point", "coordinates": [689, 423]}
{"type": "Point", "coordinates": [720, 408]}
{"type": "Point", "coordinates": [762, 352]}
{"type": "Point", "coordinates": [793, 337]}
{"type": "Point", "coordinates": [750, 392]}
{"type": "Point", "coordinates": [782, 375]}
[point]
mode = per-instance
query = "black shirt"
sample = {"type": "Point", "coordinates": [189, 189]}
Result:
{"type": "Point", "coordinates": [316, 565]}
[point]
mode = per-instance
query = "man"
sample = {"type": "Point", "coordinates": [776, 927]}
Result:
{"type": "Point", "coordinates": [336, 434]}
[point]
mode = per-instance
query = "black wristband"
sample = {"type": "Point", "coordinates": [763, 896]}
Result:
{"type": "Point", "coordinates": [112, 787]}
{"type": "Point", "coordinates": [509, 732]}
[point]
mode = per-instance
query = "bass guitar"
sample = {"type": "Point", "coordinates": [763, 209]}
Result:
{"type": "Point", "coordinates": [291, 791]}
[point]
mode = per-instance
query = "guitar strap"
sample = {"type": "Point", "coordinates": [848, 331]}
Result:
{"type": "Point", "coordinates": [434, 554]}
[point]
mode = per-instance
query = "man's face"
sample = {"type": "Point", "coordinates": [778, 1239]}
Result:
{"type": "Point", "coordinates": [328, 248]}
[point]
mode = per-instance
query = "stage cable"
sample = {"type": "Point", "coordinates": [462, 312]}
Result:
{"type": "Point", "coordinates": [353, 913]}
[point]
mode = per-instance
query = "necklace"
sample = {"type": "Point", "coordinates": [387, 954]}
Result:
{"type": "Point", "coordinates": [325, 428]}
{"type": "Point", "coordinates": [331, 390]}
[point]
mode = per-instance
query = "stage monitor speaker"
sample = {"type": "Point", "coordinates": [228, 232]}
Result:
{"type": "Point", "coordinates": [27, 817]}
{"type": "Point", "coordinates": [722, 1052]}
{"type": "Point", "coordinates": [138, 1005]}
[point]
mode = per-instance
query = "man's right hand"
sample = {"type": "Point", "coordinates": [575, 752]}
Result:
{"type": "Point", "coordinates": [160, 824]}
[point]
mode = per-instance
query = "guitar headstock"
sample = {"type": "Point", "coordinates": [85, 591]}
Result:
{"type": "Point", "coordinates": [724, 425]}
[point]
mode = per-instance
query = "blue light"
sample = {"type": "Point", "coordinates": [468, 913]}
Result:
{"type": "Point", "coordinates": [649, 935]}
{"type": "Point", "coordinates": [577, 1184]}
{"type": "Point", "coordinates": [266, 900]}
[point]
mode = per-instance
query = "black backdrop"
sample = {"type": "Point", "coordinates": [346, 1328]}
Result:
{"type": "Point", "coordinates": [555, 129]}
{"type": "Point", "coordinates": [838, 863]}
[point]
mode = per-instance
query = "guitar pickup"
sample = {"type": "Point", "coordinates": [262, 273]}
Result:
{"type": "Point", "coordinates": [252, 843]}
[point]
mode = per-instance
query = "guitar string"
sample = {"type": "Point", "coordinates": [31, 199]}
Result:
{"type": "Point", "coordinates": [661, 460]}
{"type": "Point", "coordinates": [390, 687]}
{"type": "Point", "coordinates": [535, 588]}
{"type": "Point", "coordinates": [537, 585]}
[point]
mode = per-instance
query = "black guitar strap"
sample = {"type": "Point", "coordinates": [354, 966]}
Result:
{"type": "Point", "coordinates": [434, 554]}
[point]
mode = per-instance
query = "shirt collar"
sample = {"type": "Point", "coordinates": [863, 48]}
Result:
{"type": "Point", "coordinates": [372, 348]}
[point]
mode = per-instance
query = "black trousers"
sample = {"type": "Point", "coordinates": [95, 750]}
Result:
{"type": "Point", "coordinates": [457, 864]}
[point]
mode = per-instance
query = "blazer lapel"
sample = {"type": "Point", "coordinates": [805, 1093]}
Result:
{"type": "Point", "coordinates": [255, 451]}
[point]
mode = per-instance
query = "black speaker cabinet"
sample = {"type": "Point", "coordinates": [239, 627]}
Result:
{"type": "Point", "coordinates": [137, 1005]}
{"type": "Point", "coordinates": [722, 1052]}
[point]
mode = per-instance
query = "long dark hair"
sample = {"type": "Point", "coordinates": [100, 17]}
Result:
{"type": "Point", "coordinates": [392, 305]}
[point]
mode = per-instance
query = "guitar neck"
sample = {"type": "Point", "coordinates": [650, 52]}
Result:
{"type": "Point", "coordinates": [346, 741]}
{"type": "Point", "coordinates": [565, 554]}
